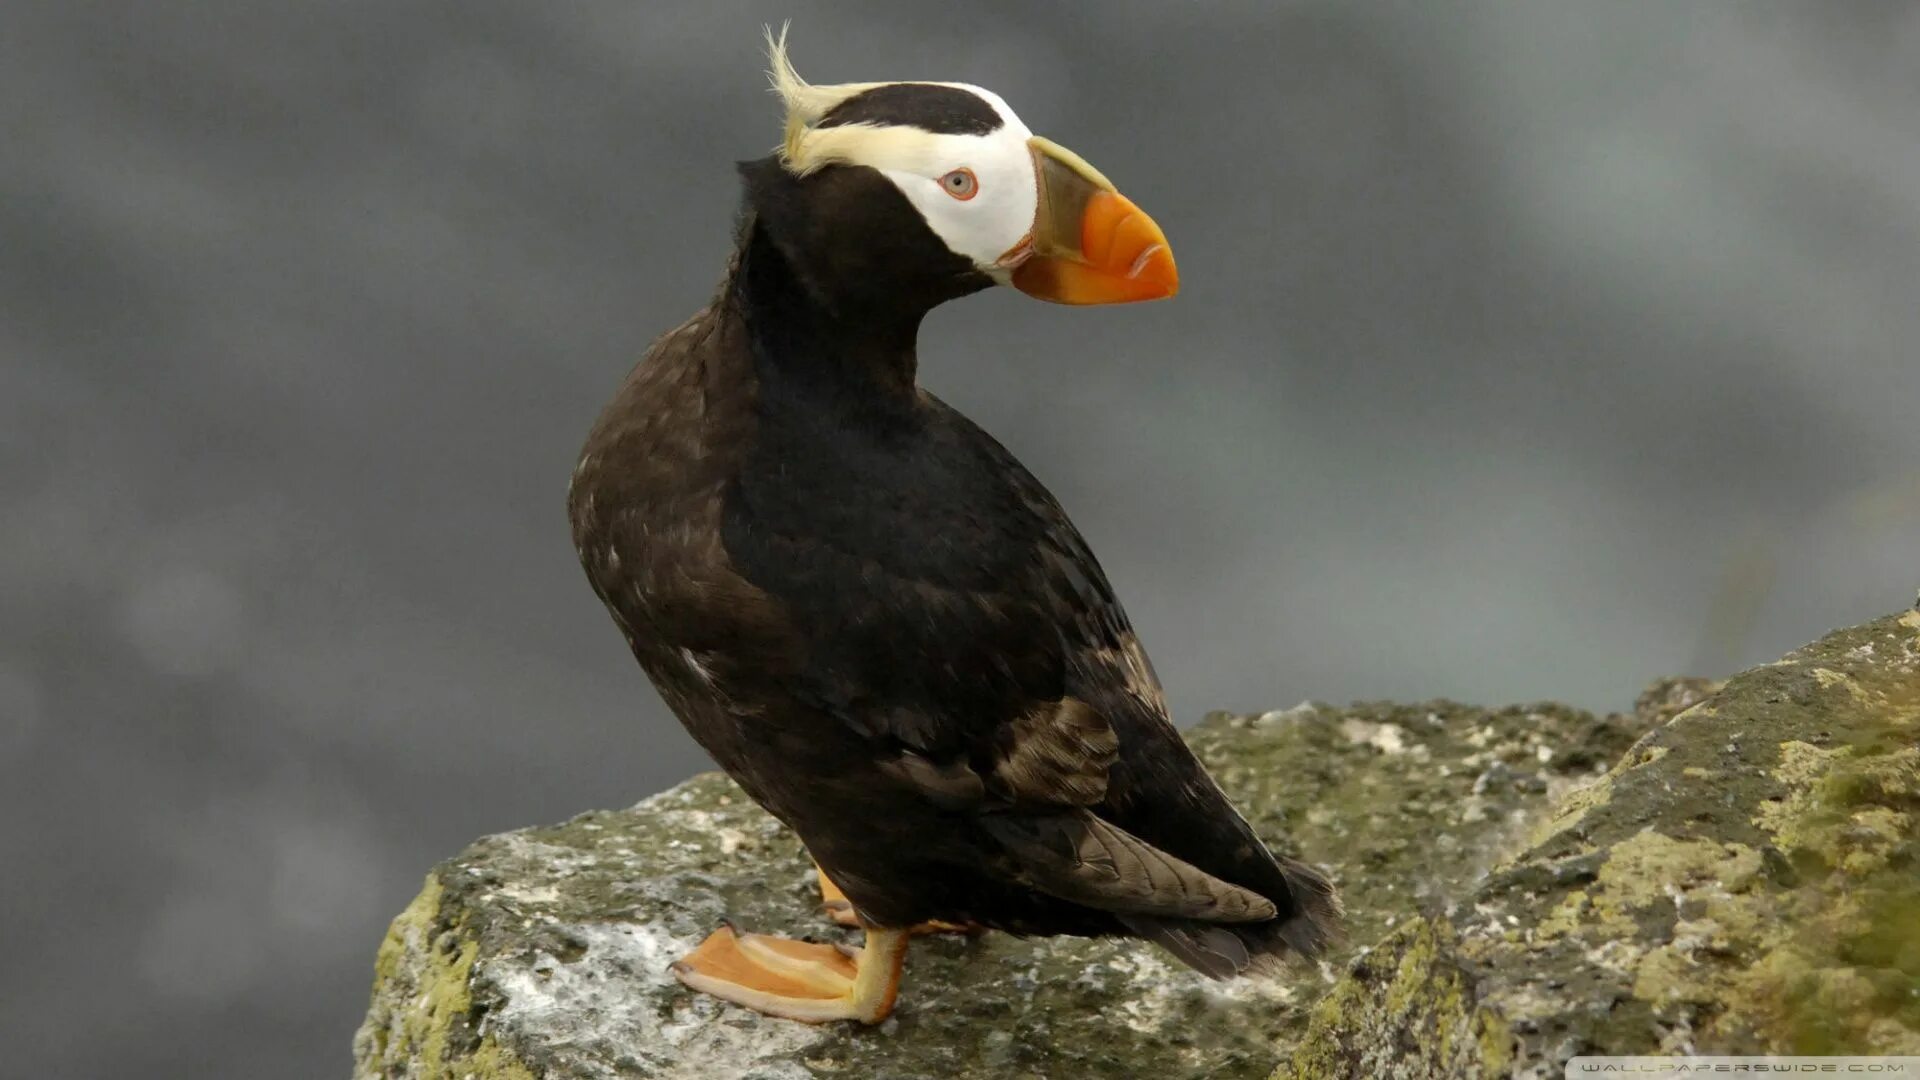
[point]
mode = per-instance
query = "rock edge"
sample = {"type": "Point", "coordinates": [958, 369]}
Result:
{"type": "Point", "coordinates": [1716, 871]}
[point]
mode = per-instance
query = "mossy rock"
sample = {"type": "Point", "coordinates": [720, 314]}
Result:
{"type": "Point", "coordinates": [1745, 880]}
{"type": "Point", "coordinates": [543, 952]}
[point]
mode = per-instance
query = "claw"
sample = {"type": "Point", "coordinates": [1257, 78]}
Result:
{"type": "Point", "coordinates": [841, 912]}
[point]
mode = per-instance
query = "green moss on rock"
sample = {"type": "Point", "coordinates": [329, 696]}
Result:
{"type": "Point", "coordinates": [1745, 880]}
{"type": "Point", "coordinates": [423, 1025]}
{"type": "Point", "coordinates": [1408, 985]}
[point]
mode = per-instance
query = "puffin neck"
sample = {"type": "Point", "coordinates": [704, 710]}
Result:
{"type": "Point", "coordinates": [812, 339]}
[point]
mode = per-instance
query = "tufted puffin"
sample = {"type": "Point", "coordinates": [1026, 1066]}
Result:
{"type": "Point", "coordinates": [872, 616]}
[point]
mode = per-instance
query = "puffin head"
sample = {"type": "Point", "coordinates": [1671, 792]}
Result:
{"type": "Point", "coordinates": [940, 181]}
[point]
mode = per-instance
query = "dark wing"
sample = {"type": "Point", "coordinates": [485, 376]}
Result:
{"type": "Point", "coordinates": [956, 620]}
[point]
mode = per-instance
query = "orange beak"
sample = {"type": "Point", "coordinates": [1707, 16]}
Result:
{"type": "Point", "coordinates": [1090, 244]}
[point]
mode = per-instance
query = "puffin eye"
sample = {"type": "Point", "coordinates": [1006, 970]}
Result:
{"type": "Point", "coordinates": [961, 184]}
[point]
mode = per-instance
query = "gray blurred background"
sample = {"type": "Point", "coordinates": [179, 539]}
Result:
{"type": "Point", "coordinates": [1526, 350]}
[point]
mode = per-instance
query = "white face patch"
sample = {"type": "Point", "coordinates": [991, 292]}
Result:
{"type": "Point", "coordinates": [1005, 193]}
{"type": "Point", "coordinates": [1005, 196]}
{"type": "Point", "coordinates": [1002, 198]}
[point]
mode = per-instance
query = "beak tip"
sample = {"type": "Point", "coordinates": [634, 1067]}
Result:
{"type": "Point", "coordinates": [1162, 272]}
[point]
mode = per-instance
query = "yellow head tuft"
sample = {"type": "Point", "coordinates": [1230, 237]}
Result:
{"type": "Point", "coordinates": [802, 149]}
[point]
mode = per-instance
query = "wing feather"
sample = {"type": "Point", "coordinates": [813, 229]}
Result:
{"type": "Point", "coordinates": [1057, 754]}
{"type": "Point", "coordinates": [1086, 860]}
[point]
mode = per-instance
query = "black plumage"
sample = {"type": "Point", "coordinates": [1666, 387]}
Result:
{"type": "Point", "coordinates": [943, 110]}
{"type": "Point", "coordinates": [879, 623]}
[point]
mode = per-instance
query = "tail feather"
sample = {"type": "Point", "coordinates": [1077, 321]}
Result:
{"type": "Point", "coordinates": [1218, 952]}
{"type": "Point", "coordinates": [1310, 921]}
{"type": "Point", "coordinates": [1316, 921]}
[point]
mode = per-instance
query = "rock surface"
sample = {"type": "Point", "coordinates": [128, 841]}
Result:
{"type": "Point", "coordinates": [1522, 884]}
{"type": "Point", "coordinates": [1745, 880]}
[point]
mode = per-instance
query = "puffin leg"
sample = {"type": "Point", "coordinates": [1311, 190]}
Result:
{"type": "Point", "coordinates": [840, 910]}
{"type": "Point", "coordinates": [798, 980]}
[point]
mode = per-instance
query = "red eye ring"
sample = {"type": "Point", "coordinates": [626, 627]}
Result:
{"type": "Point", "coordinates": [961, 184]}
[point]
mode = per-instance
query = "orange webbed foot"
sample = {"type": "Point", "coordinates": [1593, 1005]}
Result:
{"type": "Point", "coordinates": [798, 980]}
